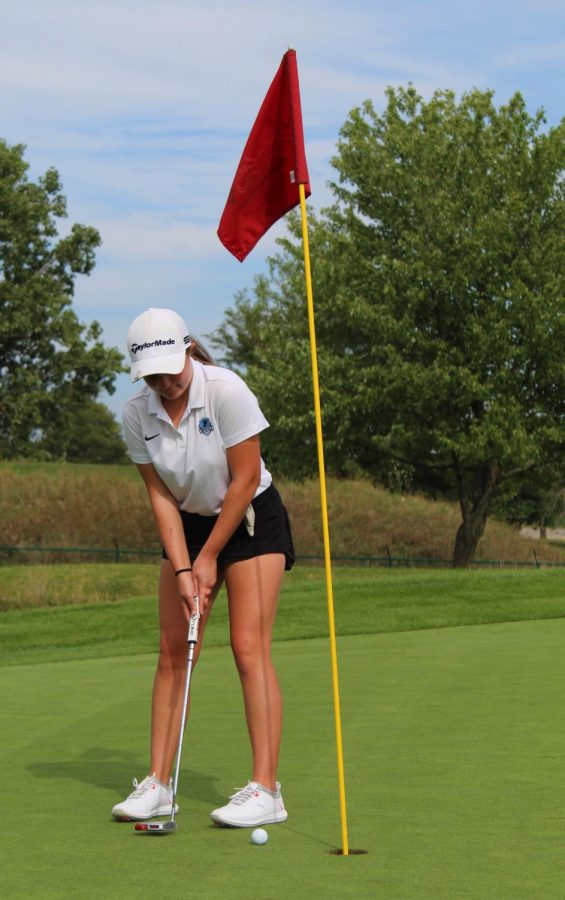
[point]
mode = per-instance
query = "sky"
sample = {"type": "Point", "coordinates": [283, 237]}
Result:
{"type": "Point", "coordinates": [144, 108]}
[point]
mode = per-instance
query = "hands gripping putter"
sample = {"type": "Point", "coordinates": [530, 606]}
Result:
{"type": "Point", "coordinates": [171, 826]}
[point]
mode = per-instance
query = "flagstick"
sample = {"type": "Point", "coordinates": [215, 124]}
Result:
{"type": "Point", "coordinates": [325, 525]}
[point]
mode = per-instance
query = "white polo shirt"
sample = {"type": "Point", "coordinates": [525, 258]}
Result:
{"type": "Point", "coordinates": [191, 459]}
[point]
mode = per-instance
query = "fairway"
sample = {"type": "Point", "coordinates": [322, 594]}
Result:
{"type": "Point", "coordinates": [453, 742]}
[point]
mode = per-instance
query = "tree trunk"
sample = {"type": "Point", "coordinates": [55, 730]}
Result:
{"type": "Point", "coordinates": [476, 490]}
{"type": "Point", "coordinates": [468, 536]}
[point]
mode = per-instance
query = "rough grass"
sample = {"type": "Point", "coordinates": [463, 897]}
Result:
{"type": "Point", "coordinates": [75, 584]}
{"type": "Point", "coordinates": [63, 505]}
{"type": "Point", "coordinates": [367, 601]}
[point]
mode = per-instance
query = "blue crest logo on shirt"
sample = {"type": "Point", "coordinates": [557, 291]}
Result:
{"type": "Point", "coordinates": [205, 426]}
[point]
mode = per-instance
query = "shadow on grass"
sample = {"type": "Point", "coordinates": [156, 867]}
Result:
{"type": "Point", "coordinates": [110, 769]}
{"type": "Point", "coordinates": [309, 836]}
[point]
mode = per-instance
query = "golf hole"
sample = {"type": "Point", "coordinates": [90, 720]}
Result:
{"type": "Point", "coordinates": [339, 852]}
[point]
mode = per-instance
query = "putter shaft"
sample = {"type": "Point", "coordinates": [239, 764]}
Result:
{"type": "Point", "coordinates": [192, 639]}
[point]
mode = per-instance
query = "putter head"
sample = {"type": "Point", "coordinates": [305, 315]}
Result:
{"type": "Point", "coordinates": [156, 827]}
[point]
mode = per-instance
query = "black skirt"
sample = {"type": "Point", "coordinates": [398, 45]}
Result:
{"type": "Point", "coordinates": [272, 532]}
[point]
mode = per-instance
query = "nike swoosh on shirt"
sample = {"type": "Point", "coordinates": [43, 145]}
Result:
{"type": "Point", "coordinates": [152, 436]}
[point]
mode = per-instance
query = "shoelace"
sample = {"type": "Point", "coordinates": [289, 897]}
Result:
{"type": "Point", "coordinates": [142, 787]}
{"type": "Point", "coordinates": [242, 795]}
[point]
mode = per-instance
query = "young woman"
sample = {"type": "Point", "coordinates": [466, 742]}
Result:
{"type": "Point", "coordinates": [193, 431]}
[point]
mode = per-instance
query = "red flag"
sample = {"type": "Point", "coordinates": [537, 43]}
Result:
{"type": "Point", "coordinates": [272, 166]}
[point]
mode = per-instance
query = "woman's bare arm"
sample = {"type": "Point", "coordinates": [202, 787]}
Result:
{"type": "Point", "coordinates": [169, 523]}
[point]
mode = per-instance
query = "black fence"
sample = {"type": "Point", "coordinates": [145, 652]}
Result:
{"type": "Point", "coordinates": [13, 554]}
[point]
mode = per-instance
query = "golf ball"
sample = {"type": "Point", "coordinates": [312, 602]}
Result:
{"type": "Point", "coordinates": [259, 836]}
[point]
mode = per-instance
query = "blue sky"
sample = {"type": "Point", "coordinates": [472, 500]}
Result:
{"type": "Point", "coordinates": [144, 108]}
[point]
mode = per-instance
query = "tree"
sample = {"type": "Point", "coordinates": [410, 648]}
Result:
{"type": "Point", "coordinates": [87, 433]}
{"type": "Point", "coordinates": [49, 361]}
{"type": "Point", "coordinates": [438, 281]}
{"type": "Point", "coordinates": [536, 499]}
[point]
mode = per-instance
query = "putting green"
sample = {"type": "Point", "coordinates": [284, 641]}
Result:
{"type": "Point", "coordinates": [453, 744]}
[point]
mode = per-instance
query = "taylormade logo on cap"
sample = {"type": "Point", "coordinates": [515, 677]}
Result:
{"type": "Point", "coordinates": [135, 348]}
{"type": "Point", "coordinates": [157, 343]}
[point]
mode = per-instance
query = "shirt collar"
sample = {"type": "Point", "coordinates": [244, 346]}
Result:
{"type": "Point", "coordinates": [197, 390]}
{"type": "Point", "coordinates": [154, 405]}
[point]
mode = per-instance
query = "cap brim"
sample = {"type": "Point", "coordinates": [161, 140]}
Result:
{"type": "Point", "coordinates": [159, 365]}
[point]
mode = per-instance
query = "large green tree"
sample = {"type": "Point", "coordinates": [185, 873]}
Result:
{"type": "Point", "coordinates": [49, 361]}
{"type": "Point", "coordinates": [438, 283]}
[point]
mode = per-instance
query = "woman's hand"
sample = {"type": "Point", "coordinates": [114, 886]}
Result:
{"type": "Point", "coordinates": [204, 577]}
{"type": "Point", "coordinates": [187, 589]}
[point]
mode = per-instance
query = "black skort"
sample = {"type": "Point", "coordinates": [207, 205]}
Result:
{"type": "Point", "coordinates": [272, 532]}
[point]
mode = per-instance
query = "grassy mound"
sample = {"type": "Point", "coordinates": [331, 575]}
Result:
{"type": "Point", "coordinates": [62, 505]}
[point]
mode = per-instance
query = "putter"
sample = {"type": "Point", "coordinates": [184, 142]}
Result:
{"type": "Point", "coordinates": [171, 826]}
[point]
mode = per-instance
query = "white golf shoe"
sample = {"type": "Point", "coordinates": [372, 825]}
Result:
{"type": "Point", "coordinates": [149, 798]}
{"type": "Point", "coordinates": [250, 806]}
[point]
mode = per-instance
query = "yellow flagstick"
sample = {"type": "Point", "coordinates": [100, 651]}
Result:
{"type": "Point", "coordinates": [325, 525]}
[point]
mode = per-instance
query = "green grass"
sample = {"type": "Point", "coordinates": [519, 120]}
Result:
{"type": "Point", "coordinates": [57, 584]}
{"type": "Point", "coordinates": [453, 744]}
{"type": "Point", "coordinates": [367, 601]}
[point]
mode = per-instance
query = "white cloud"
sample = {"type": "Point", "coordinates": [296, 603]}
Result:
{"type": "Point", "coordinates": [148, 238]}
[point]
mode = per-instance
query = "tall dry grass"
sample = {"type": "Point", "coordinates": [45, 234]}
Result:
{"type": "Point", "coordinates": [63, 505]}
{"type": "Point", "coordinates": [369, 521]}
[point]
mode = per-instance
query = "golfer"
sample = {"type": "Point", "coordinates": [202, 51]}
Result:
{"type": "Point", "coordinates": [193, 432]}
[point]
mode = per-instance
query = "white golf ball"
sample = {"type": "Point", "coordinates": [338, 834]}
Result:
{"type": "Point", "coordinates": [259, 836]}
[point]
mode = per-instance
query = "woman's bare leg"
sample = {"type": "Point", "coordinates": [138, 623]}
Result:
{"type": "Point", "coordinates": [168, 687]}
{"type": "Point", "coordinates": [253, 588]}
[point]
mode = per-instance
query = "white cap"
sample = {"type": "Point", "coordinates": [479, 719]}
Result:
{"type": "Point", "coordinates": [157, 343]}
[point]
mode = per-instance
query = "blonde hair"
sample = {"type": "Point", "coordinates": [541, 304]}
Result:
{"type": "Point", "coordinates": [199, 352]}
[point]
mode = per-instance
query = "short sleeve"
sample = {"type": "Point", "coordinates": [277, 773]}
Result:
{"type": "Point", "coordinates": [237, 412]}
{"type": "Point", "coordinates": [133, 435]}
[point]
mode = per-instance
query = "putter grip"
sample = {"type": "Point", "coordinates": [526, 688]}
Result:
{"type": "Point", "coordinates": [193, 625]}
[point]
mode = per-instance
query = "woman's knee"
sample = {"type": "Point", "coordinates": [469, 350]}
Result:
{"type": "Point", "coordinates": [248, 654]}
{"type": "Point", "coordinates": [172, 654]}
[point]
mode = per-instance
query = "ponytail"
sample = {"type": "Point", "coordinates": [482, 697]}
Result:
{"type": "Point", "coordinates": [197, 351]}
